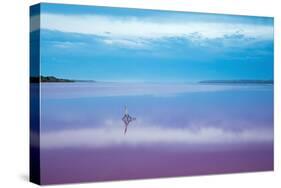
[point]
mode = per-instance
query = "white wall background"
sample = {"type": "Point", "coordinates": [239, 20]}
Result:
{"type": "Point", "coordinates": [14, 76]}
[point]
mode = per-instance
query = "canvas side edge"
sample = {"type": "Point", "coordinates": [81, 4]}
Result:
{"type": "Point", "coordinates": [34, 115]}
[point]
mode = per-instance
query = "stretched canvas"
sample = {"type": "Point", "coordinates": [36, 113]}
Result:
{"type": "Point", "coordinates": [122, 93]}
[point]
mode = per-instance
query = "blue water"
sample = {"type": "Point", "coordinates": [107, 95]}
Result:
{"type": "Point", "coordinates": [88, 105]}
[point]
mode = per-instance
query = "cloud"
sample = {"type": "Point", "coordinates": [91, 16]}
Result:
{"type": "Point", "coordinates": [128, 32]}
{"type": "Point", "coordinates": [34, 23]}
{"type": "Point", "coordinates": [131, 27]}
{"type": "Point", "coordinates": [136, 44]}
{"type": "Point", "coordinates": [137, 135]}
{"type": "Point", "coordinates": [66, 44]}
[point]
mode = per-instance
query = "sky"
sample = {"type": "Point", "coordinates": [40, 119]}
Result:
{"type": "Point", "coordinates": [135, 45]}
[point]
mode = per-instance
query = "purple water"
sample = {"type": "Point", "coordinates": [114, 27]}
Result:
{"type": "Point", "coordinates": [180, 129]}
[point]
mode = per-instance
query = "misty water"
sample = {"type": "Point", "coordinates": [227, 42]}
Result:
{"type": "Point", "coordinates": [180, 129]}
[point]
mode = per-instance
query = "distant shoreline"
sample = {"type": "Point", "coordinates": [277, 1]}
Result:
{"type": "Point", "coordinates": [53, 79]}
{"type": "Point", "coordinates": [236, 82]}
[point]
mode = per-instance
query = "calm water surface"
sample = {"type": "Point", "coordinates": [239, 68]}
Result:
{"type": "Point", "coordinates": [180, 129]}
